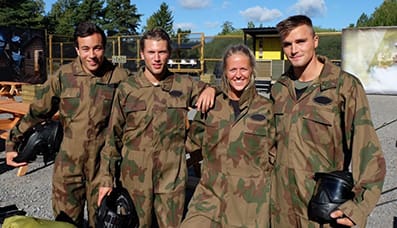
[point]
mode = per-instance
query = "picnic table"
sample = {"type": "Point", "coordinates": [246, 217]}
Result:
{"type": "Point", "coordinates": [11, 89]}
{"type": "Point", "coordinates": [16, 110]}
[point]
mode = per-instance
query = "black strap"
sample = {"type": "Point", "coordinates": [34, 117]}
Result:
{"type": "Point", "coordinates": [346, 151]}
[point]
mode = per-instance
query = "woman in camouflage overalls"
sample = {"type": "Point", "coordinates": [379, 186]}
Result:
{"type": "Point", "coordinates": [236, 139]}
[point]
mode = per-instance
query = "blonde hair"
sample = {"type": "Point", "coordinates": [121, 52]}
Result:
{"type": "Point", "coordinates": [234, 49]}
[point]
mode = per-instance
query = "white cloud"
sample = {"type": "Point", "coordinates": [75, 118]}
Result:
{"type": "Point", "coordinates": [311, 8]}
{"type": "Point", "coordinates": [184, 26]}
{"type": "Point", "coordinates": [259, 14]}
{"type": "Point", "coordinates": [194, 4]}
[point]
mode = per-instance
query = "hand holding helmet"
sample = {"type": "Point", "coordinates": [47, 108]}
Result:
{"type": "Point", "coordinates": [44, 138]}
{"type": "Point", "coordinates": [332, 189]}
{"type": "Point", "coordinates": [117, 210]}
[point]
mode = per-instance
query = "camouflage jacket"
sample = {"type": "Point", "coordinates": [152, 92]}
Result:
{"type": "Point", "coordinates": [150, 119]}
{"type": "Point", "coordinates": [238, 152]}
{"type": "Point", "coordinates": [83, 101]}
{"type": "Point", "coordinates": [312, 132]}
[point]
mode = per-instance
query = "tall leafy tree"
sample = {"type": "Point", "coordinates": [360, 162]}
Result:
{"type": "Point", "coordinates": [227, 28]}
{"type": "Point", "coordinates": [63, 17]}
{"type": "Point", "coordinates": [121, 18]}
{"type": "Point", "coordinates": [385, 15]}
{"type": "Point", "coordinates": [90, 10]}
{"type": "Point", "coordinates": [22, 13]}
{"type": "Point", "coordinates": [250, 24]}
{"type": "Point", "coordinates": [162, 18]}
{"type": "Point", "coordinates": [362, 20]}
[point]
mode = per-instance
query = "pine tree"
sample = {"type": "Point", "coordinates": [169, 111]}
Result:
{"type": "Point", "coordinates": [22, 13]}
{"type": "Point", "coordinates": [121, 18]}
{"type": "Point", "coordinates": [162, 18]}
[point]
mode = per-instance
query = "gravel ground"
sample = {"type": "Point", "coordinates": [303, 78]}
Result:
{"type": "Point", "coordinates": [32, 192]}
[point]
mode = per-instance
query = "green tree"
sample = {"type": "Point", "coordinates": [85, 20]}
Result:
{"type": "Point", "coordinates": [183, 35]}
{"type": "Point", "coordinates": [385, 15]}
{"type": "Point", "coordinates": [362, 20]}
{"type": "Point", "coordinates": [250, 24]}
{"type": "Point", "coordinates": [22, 13]}
{"type": "Point", "coordinates": [90, 10]}
{"type": "Point", "coordinates": [227, 28]}
{"type": "Point", "coordinates": [330, 46]}
{"type": "Point", "coordinates": [63, 17]}
{"type": "Point", "coordinates": [121, 18]}
{"type": "Point", "coordinates": [162, 18]}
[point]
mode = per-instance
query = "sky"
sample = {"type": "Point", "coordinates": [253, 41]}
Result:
{"type": "Point", "coordinates": [208, 16]}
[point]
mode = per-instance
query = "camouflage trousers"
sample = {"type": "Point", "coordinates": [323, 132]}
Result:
{"type": "Point", "coordinates": [167, 207]}
{"type": "Point", "coordinates": [153, 191]}
{"type": "Point", "coordinates": [71, 191]}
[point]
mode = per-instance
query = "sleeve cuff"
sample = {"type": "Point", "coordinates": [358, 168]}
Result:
{"type": "Point", "coordinates": [354, 213]}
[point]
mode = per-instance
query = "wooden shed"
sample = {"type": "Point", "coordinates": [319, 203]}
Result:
{"type": "Point", "coordinates": [271, 62]}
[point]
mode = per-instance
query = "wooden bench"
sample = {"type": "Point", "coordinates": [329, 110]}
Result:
{"type": "Point", "coordinates": [16, 110]}
{"type": "Point", "coordinates": [10, 89]}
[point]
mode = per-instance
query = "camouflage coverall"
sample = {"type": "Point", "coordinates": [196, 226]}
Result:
{"type": "Point", "coordinates": [147, 129]}
{"type": "Point", "coordinates": [238, 156]}
{"type": "Point", "coordinates": [84, 109]}
{"type": "Point", "coordinates": [312, 132]}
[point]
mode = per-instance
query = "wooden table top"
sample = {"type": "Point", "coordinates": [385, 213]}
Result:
{"type": "Point", "coordinates": [5, 101]}
{"type": "Point", "coordinates": [17, 108]}
{"type": "Point", "coordinates": [8, 83]}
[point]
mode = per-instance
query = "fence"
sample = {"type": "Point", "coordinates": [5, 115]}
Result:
{"type": "Point", "coordinates": [193, 53]}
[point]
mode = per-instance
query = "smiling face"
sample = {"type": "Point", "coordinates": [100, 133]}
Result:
{"type": "Point", "coordinates": [300, 46]}
{"type": "Point", "coordinates": [238, 74]}
{"type": "Point", "coordinates": [91, 52]}
{"type": "Point", "coordinates": [155, 54]}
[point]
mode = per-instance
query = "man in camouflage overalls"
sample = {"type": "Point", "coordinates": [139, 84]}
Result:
{"type": "Point", "coordinates": [321, 113]}
{"type": "Point", "coordinates": [147, 130]}
{"type": "Point", "coordinates": [82, 92]}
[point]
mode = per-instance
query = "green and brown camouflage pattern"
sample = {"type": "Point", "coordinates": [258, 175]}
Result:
{"type": "Point", "coordinates": [84, 108]}
{"type": "Point", "coordinates": [147, 130]}
{"type": "Point", "coordinates": [238, 156]}
{"type": "Point", "coordinates": [311, 135]}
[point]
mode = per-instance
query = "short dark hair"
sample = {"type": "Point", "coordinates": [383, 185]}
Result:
{"type": "Point", "coordinates": [284, 27]}
{"type": "Point", "coordinates": [155, 34]}
{"type": "Point", "coordinates": [87, 28]}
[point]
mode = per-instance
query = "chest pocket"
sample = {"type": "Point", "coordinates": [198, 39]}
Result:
{"type": "Point", "coordinates": [255, 135]}
{"type": "Point", "coordinates": [135, 111]}
{"type": "Point", "coordinates": [70, 102]}
{"type": "Point", "coordinates": [104, 98]}
{"type": "Point", "coordinates": [318, 125]}
{"type": "Point", "coordinates": [177, 106]}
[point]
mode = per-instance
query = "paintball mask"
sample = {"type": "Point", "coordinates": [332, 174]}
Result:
{"type": "Point", "coordinates": [42, 139]}
{"type": "Point", "coordinates": [117, 211]}
{"type": "Point", "coordinates": [331, 190]}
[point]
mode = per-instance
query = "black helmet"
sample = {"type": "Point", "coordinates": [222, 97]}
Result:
{"type": "Point", "coordinates": [44, 139]}
{"type": "Point", "coordinates": [332, 189]}
{"type": "Point", "coordinates": [117, 210]}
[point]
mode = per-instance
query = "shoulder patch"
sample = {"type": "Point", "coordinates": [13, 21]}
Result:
{"type": "Point", "coordinates": [176, 93]}
{"type": "Point", "coordinates": [258, 117]}
{"type": "Point", "coordinates": [322, 100]}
